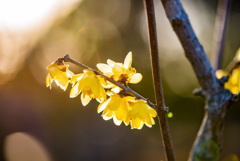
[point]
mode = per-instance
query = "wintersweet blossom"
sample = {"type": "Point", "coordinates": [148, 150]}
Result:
{"type": "Point", "coordinates": [60, 74]}
{"type": "Point", "coordinates": [141, 113]}
{"type": "Point", "coordinates": [233, 83]}
{"type": "Point", "coordinates": [116, 107]}
{"type": "Point", "coordinates": [120, 72]}
{"type": "Point", "coordinates": [88, 85]}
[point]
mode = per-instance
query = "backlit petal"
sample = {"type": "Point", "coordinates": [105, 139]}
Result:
{"type": "Point", "coordinates": [49, 80]}
{"type": "Point", "coordinates": [111, 63]}
{"type": "Point", "coordinates": [116, 121]}
{"type": "Point", "coordinates": [106, 117]}
{"type": "Point", "coordinates": [104, 68]}
{"type": "Point", "coordinates": [102, 106]}
{"type": "Point", "coordinates": [85, 99]}
{"type": "Point", "coordinates": [128, 61]}
{"type": "Point", "coordinates": [136, 78]}
{"type": "Point", "coordinates": [220, 73]}
{"type": "Point", "coordinates": [117, 69]}
{"type": "Point", "coordinates": [75, 90]}
{"type": "Point", "coordinates": [76, 78]}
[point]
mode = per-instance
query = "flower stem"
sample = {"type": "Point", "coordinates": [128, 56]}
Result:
{"type": "Point", "coordinates": [159, 96]}
{"type": "Point", "coordinates": [126, 88]}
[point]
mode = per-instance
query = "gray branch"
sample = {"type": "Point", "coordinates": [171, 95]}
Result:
{"type": "Point", "coordinates": [208, 143]}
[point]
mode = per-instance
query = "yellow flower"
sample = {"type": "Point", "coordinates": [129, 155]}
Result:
{"type": "Point", "coordinates": [233, 83]}
{"type": "Point", "coordinates": [141, 113]}
{"type": "Point", "coordinates": [60, 74]}
{"type": "Point", "coordinates": [87, 83]}
{"type": "Point", "coordinates": [123, 73]}
{"type": "Point", "coordinates": [116, 107]}
{"type": "Point", "coordinates": [220, 73]}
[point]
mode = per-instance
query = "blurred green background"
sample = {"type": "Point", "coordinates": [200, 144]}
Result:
{"type": "Point", "coordinates": [37, 123]}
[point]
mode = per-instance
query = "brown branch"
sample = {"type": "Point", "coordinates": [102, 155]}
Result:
{"type": "Point", "coordinates": [220, 32]}
{"type": "Point", "coordinates": [159, 96]}
{"type": "Point", "coordinates": [126, 88]}
{"type": "Point", "coordinates": [208, 143]}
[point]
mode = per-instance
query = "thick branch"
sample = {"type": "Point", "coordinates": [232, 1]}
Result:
{"type": "Point", "coordinates": [159, 96]}
{"type": "Point", "coordinates": [208, 142]}
{"type": "Point", "coordinates": [220, 32]}
{"type": "Point", "coordinates": [192, 47]}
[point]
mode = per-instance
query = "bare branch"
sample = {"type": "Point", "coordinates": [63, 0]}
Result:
{"type": "Point", "coordinates": [159, 96]}
{"type": "Point", "coordinates": [220, 32]}
{"type": "Point", "coordinates": [126, 88]}
{"type": "Point", "coordinates": [208, 143]}
{"type": "Point", "coordinates": [192, 47]}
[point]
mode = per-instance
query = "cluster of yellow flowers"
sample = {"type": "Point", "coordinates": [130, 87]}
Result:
{"type": "Point", "coordinates": [233, 83]}
{"type": "Point", "coordinates": [113, 103]}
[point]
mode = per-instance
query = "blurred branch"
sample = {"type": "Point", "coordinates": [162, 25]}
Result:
{"type": "Point", "coordinates": [126, 88]}
{"type": "Point", "coordinates": [192, 47]}
{"type": "Point", "coordinates": [220, 32]}
{"type": "Point", "coordinates": [159, 96]}
{"type": "Point", "coordinates": [208, 143]}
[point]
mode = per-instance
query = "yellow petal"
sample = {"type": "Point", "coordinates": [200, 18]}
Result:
{"type": "Point", "coordinates": [102, 106]}
{"type": "Point", "coordinates": [104, 68]}
{"type": "Point", "coordinates": [114, 103]}
{"type": "Point", "coordinates": [148, 121]}
{"type": "Point", "coordinates": [75, 90]}
{"type": "Point", "coordinates": [70, 74]}
{"type": "Point", "coordinates": [237, 56]}
{"type": "Point", "coordinates": [103, 95]}
{"type": "Point", "coordinates": [62, 81]}
{"type": "Point", "coordinates": [106, 117]}
{"type": "Point", "coordinates": [152, 112]}
{"type": "Point", "coordinates": [111, 63]}
{"type": "Point", "coordinates": [117, 69]}
{"type": "Point", "coordinates": [220, 73]}
{"type": "Point", "coordinates": [76, 78]}
{"type": "Point", "coordinates": [141, 125]}
{"type": "Point", "coordinates": [136, 123]}
{"type": "Point", "coordinates": [136, 78]}
{"type": "Point", "coordinates": [128, 61]}
{"type": "Point", "coordinates": [63, 67]}
{"type": "Point", "coordinates": [49, 80]}
{"type": "Point", "coordinates": [116, 89]}
{"type": "Point", "coordinates": [85, 99]}
{"type": "Point", "coordinates": [116, 121]}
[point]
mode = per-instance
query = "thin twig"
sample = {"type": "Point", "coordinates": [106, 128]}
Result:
{"type": "Point", "coordinates": [159, 96]}
{"type": "Point", "coordinates": [220, 32]}
{"type": "Point", "coordinates": [126, 88]}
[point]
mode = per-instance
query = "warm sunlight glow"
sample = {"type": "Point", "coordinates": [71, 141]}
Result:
{"type": "Point", "coordinates": [23, 147]}
{"type": "Point", "coordinates": [23, 13]}
{"type": "Point", "coordinates": [22, 24]}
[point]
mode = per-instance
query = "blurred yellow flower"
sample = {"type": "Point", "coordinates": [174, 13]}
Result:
{"type": "Point", "coordinates": [141, 113]}
{"type": "Point", "coordinates": [89, 84]}
{"type": "Point", "coordinates": [60, 74]}
{"type": "Point", "coordinates": [116, 107]}
{"type": "Point", "coordinates": [233, 83]}
{"type": "Point", "coordinates": [123, 73]}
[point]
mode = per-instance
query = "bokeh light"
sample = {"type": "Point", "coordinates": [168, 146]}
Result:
{"type": "Point", "coordinates": [23, 147]}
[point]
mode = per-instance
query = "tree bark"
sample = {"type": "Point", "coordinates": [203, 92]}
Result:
{"type": "Point", "coordinates": [208, 143]}
{"type": "Point", "coordinates": [157, 81]}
